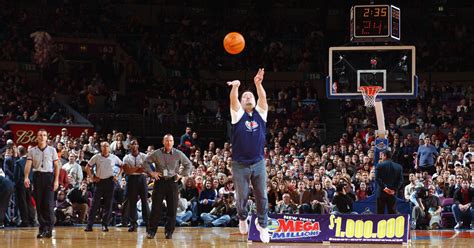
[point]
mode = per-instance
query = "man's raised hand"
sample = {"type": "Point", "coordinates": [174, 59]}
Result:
{"type": "Point", "coordinates": [259, 77]}
{"type": "Point", "coordinates": [234, 83]}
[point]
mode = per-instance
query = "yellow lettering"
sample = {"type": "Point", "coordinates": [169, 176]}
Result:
{"type": "Point", "coordinates": [25, 137]}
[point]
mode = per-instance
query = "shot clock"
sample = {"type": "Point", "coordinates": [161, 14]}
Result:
{"type": "Point", "coordinates": [375, 23]}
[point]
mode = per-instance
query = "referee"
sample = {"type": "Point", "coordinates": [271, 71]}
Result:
{"type": "Point", "coordinates": [135, 165]}
{"type": "Point", "coordinates": [43, 159]}
{"type": "Point", "coordinates": [167, 163]}
{"type": "Point", "coordinates": [105, 184]}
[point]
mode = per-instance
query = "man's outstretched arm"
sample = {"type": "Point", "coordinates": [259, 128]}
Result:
{"type": "Point", "coordinates": [234, 95]}
{"type": "Point", "coordinates": [262, 95]}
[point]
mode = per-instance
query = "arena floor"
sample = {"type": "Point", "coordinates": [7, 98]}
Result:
{"type": "Point", "coordinates": [197, 237]}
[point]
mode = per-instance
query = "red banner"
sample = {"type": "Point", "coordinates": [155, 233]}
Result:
{"type": "Point", "coordinates": [24, 133]}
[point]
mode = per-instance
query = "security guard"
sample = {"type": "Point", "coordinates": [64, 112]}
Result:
{"type": "Point", "coordinates": [42, 158]}
{"type": "Point", "coordinates": [105, 184]}
{"type": "Point", "coordinates": [135, 165]}
{"type": "Point", "coordinates": [167, 163]}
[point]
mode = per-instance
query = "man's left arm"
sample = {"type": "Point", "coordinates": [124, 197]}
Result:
{"type": "Point", "coordinates": [187, 164]}
{"type": "Point", "coordinates": [400, 179]}
{"type": "Point", "coordinates": [439, 209]}
{"type": "Point", "coordinates": [379, 180]}
{"type": "Point", "coordinates": [262, 95]}
{"type": "Point", "coordinates": [80, 176]}
{"type": "Point", "coordinates": [56, 173]}
{"type": "Point", "coordinates": [119, 163]}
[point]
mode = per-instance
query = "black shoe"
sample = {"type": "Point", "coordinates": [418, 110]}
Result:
{"type": "Point", "coordinates": [168, 235]}
{"type": "Point", "coordinates": [185, 224]}
{"type": "Point", "coordinates": [88, 229]}
{"type": "Point", "coordinates": [132, 229]}
{"type": "Point", "coordinates": [150, 235]}
{"type": "Point", "coordinates": [48, 234]}
{"type": "Point", "coordinates": [23, 224]}
{"type": "Point", "coordinates": [41, 235]}
{"type": "Point", "coordinates": [121, 225]}
{"type": "Point", "coordinates": [105, 229]}
{"type": "Point", "coordinates": [2, 226]}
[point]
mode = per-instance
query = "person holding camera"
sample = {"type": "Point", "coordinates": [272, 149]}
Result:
{"type": "Point", "coordinates": [389, 178]}
{"type": "Point", "coordinates": [79, 197]}
{"type": "Point", "coordinates": [63, 210]}
{"type": "Point", "coordinates": [343, 203]}
{"type": "Point", "coordinates": [286, 206]}
{"type": "Point", "coordinates": [223, 212]}
{"type": "Point", "coordinates": [428, 208]}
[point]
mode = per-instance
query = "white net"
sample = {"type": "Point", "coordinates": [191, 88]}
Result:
{"type": "Point", "coordinates": [369, 93]}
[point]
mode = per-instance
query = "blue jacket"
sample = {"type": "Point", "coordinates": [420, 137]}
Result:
{"type": "Point", "coordinates": [9, 167]}
{"type": "Point", "coordinates": [19, 175]}
{"type": "Point", "coordinates": [388, 174]}
{"type": "Point", "coordinates": [6, 186]}
{"type": "Point", "coordinates": [209, 194]}
{"type": "Point", "coordinates": [426, 155]}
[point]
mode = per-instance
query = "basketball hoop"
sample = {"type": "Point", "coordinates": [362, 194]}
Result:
{"type": "Point", "coordinates": [370, 93]}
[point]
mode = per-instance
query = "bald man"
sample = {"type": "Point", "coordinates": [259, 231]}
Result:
{"type": "Point", "coordinates": [249, 119]}
{"type": "Point", "coordinates": [167, 162]}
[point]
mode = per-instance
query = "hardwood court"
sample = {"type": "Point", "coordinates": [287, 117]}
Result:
{"type": "Point", "coordinates": [196, 237]}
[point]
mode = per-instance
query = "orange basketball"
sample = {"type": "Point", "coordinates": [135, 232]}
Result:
{"type": "Point", "coordinates": [234, 43]}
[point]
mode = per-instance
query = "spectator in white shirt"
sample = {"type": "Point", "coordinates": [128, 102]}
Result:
{"type": "Point", "coordinates": [73, 169]}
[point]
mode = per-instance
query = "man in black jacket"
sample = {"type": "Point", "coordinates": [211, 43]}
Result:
{"type": "Point", "coordinates": [463, 207]}
{"type": "Point", "coordinates": [25, 205]}
{"type": "Point", "coordinates": [6, 191]}
{"type": "Point", "coordinates": [343, 203]}
{"type": "Point", "coordinates": [79, 197]}
{"type": "Point", "coordinates": [389, 178]}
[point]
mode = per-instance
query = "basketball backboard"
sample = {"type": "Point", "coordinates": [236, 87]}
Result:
{"type": "Point", "coordinates": [391, 67]}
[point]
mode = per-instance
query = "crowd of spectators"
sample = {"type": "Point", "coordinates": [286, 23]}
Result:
{"type": "Point", "coordinates": [304, 175]}
{"type": "Point", "coordinates": [21, 100]}
{"type": "Point", "coordinates": [188, 42]}
{"type": "Point", "coordinates": [430, 136]}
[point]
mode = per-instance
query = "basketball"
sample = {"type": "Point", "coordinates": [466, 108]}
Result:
{"type": "Point", "coordinates": [234, 43]}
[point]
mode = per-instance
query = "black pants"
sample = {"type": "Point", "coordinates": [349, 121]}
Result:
{"type": "Point", "coordinates": [389, 201]}
{"type": "Point", "coordinates": [104, 188]}
{"type": "Point", "coordinates": [44, 197]}
{"type": "Point", "coordinates": [136, 186]}
{"type": "Point", "coordinates": [4, 202]}
{"type": "Point", "coordinates": [125, 218]}
{"type": "Point", "coordinates": [25, 205]}
{"type": "Point", "coordinates": [167, 190]}
{"type": "Point", "coordinates": [431, 169]}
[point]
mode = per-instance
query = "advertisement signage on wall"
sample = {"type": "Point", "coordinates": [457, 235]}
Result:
{"type": "Point", "coordinates": [24, 133]}
{"type": "Point", "coordinates": [335, 228]}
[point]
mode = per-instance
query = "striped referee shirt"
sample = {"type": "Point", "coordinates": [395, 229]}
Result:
{"type": "Point", "coordinates": [105, 165]}
{"type": "Point", "coordinates": [42, 159]}
{"type": "Point", "coordinates": [138, 161]}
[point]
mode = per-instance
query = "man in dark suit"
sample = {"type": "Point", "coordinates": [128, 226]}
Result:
{"type": "Point", "coordinates": [27, 211]}
{"type": "Point", "coordinates": [389, 178]}
{"type": "Point", "coordinates": [6, 191]}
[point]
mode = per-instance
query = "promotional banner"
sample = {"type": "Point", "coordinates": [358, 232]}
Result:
{"type": "Point", "coordinates": [24, 133]}
{"type": "Point", "coordinates": [303, 228]}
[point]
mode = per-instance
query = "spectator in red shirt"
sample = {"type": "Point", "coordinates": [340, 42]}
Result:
{"type": "Point", "coordinates": [362, 192]}
{"type": "Point", "coordinates": [63, 181]}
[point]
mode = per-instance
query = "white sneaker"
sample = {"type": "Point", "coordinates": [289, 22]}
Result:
{"type": "Point", "coordinates": [264, 235]}
{"type": "Point", "coordinates": [458, 226]}
{"type": "Point", "coordinates": [243, 226]}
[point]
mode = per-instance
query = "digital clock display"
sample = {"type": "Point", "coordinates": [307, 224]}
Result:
{"type": "Point", "coordinates": [395, 22]}
{"type": "Point", "coordinates": [371, 21]}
